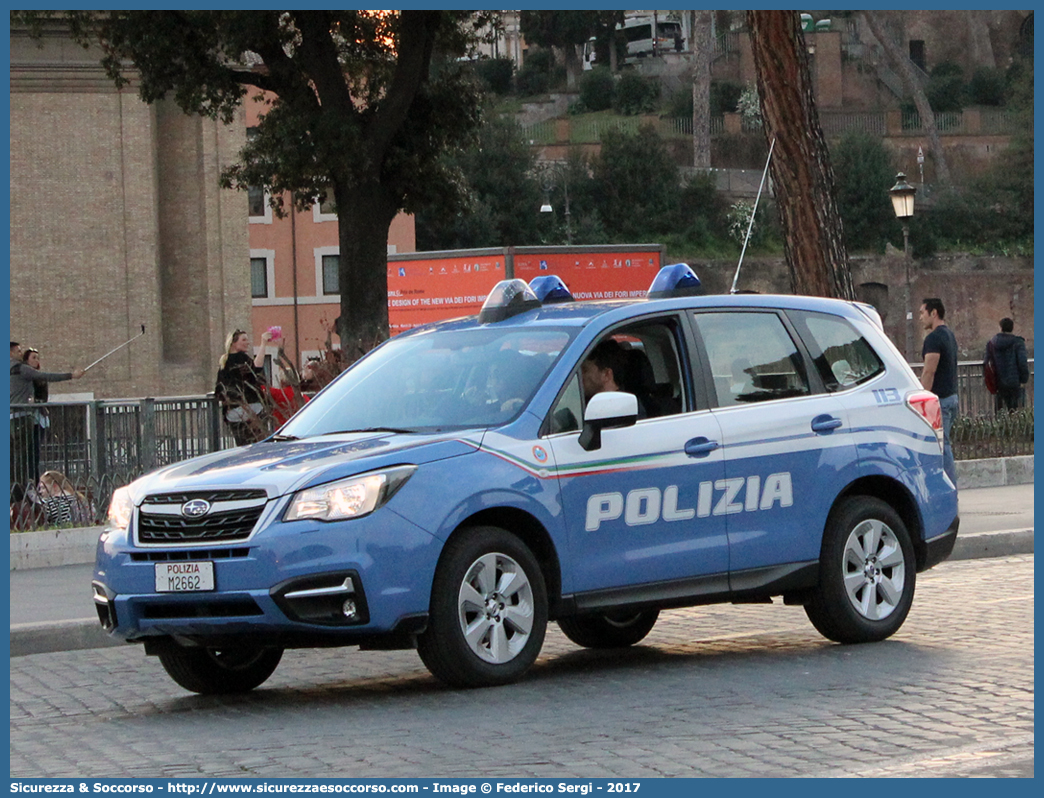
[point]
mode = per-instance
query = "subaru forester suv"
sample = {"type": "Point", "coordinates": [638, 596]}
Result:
{"type": "Point", "coordinates": [588, 463]}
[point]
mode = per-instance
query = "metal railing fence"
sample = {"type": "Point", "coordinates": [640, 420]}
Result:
{"type": "Point", "coordinates": [975, 401]}
{"type": "Point", "coordinates": [104, 444]}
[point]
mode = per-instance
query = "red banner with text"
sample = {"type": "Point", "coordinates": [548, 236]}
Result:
{"type": "Point", "coordinates": [432, 289]}
{"type": "Point", "coordinates": [597, 275]}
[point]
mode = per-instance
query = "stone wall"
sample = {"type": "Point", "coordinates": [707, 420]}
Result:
{"type": "Point", "coordinates": [977, 292]}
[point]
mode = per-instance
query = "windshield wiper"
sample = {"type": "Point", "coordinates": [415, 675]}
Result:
{"type": "Point", "coordinates": [370, 429]}
{"type": "Point", "coordinates": [284, 438]}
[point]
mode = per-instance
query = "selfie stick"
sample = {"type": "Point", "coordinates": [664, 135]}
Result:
{"type": "Point", "coordinates": [117, 349]}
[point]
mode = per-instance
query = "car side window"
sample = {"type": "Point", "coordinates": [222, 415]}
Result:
{"type": "Point", "coordinates": [644, 359]}
{"type": "Point", "coordinates": [569, 410]}
{"type": "Point", "coordinates": [752, 357]}
{"type": "Point", "coordinates": [843, 357]}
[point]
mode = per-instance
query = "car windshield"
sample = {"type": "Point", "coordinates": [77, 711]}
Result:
{"type": "Point", "coordinates": [435, 381]}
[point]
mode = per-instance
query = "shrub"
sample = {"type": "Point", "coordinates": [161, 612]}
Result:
{"type": "Point", "coordinates": [749, 107]}
{"type": "Point", "coordinates": [535, 75]}
{"type": "Point", "coordinates": [945, 89]}
{"type": "Point", "coordinates": [597, 89]}
{"type": "Point", "coordinates": [679, 103]}
{"type": "Point", "coordinates": [1002, 435]}
{"type": "Point", "coordinates": [635, 94]}
{"type": "Point", "coordinates": [986, 87]}
{"type": "Point", "coordinates": [724, 97]}
{"type": "Point", "coordinates": [496, 74]}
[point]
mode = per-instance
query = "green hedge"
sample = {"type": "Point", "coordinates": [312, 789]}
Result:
{"type": "Point", "coordinates": [1005, 434]}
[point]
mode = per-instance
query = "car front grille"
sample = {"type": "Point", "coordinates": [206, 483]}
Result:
{"type": "Point", "coordinates": [232, 517]}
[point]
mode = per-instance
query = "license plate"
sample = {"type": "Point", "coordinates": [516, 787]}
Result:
{"type": "Point", "coordinates": [184, 577]}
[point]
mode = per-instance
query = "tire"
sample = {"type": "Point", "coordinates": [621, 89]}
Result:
{"type": "Point", "coordinates": [867, 573]}
{"type": "Point", "coordinates": [213, 671]}
{"type": "Point", "coordinates": [614, 629]}
{"type": "Point", "coordinates": [488, 610]}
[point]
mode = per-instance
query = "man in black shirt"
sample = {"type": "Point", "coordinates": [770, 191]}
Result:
{"type": "Point", "coordinates": [940, 372]}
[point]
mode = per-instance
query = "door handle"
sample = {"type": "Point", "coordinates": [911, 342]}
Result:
{"type": "Point", "coordinates": [700, 447]}
{"type": "Point", "coordinates": [825, 424]}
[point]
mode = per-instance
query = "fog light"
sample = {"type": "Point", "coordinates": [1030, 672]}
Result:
{"type": "Point", "coordinates": [349, 609]}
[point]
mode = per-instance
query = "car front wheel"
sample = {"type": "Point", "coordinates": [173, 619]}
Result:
{"type": "Point", "coordinates": [488, 610]}
{"type": "Point", "coordinates": [866, 573]}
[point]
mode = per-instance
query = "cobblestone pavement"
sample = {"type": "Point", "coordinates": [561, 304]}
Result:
{"type": "Point", "coordinates": [713, 691]}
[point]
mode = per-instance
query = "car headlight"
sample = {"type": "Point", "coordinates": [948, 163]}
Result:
{"type": "Point", "coordinates": [120, 510]}
{"type": "Point", "coordinates": [348, 498]}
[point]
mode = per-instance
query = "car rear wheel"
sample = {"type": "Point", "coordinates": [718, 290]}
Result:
{"type": "Point", "coordinates": [488, 610]}
{"type": "Point", "coordinates": [219, 670]}
{"type": "Point", "coordinates": [615, 629]}
{"type": "Point", "coordinates": [867, 572]}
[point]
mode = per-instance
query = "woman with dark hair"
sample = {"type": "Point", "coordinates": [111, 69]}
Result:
{"type": "Point", "coordinates": [241, 388]}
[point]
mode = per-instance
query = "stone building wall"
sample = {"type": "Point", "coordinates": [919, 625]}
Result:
{"type": "Point", "coordinates": [977, 292]}
{"type": "Point", "coordinates": [117, 221]}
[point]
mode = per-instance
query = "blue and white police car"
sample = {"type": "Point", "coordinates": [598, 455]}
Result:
{"type": "Point", "coordinates": [588, 463]}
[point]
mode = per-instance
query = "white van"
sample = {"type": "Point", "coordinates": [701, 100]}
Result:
{"type": "Point", "coordinates": [641, 43]}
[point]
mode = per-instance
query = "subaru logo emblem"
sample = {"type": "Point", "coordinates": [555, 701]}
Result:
{"type": "Point", "coordinates": [195, 508]}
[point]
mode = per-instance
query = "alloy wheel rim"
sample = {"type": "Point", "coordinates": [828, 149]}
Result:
{"type": "Point", "coordinates": [874, 570]}
{"type": "Point", "coordinates": [495, 608]}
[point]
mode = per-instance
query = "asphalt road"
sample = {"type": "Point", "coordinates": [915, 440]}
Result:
{"type": "Point", "coordinates": [713, 691]}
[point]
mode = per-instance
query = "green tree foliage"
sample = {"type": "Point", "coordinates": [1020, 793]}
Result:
{"type": "Point", "coordinates": [725, 96]}
{"type": "Point", "coordinates": [502, 195]}
{"type": "Point", "coordinates": [702, 213]}
{"type": "Point", "coordinates": [986, 87]}
{"type": "Point", "coordinates": [994, 213]}
{"type": "Point", "coordinates": [863, 173]}
{"type": "Point", "coordinates": [359, 104]}
{"type": "Point", "coordinates": [945, 90]}
{"type": "Point", "coordinates": [635, 94]}
{"type": "Point", "coordinates": [637, 183]}
{"type": "Point", "coordinates": [496, 74]}
{"type": "Point", "coordinates": [536, 73]}
{"type": "Point", "coordinates": [597, 89]}
{"type": "Point", "coordinates": [566, 28]}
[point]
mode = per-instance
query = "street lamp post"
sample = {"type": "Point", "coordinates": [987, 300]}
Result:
{"type": "Point", "coordinates": [552, 172]}
{"type": "Point", "coordinates": [902, 194]}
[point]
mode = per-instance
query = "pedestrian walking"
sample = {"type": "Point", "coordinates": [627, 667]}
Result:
{"type": "Point", "coordinates": [939, 374]}
{"type": "Point", "coordinates": [25, 467]}
{"type": "Point", "coordinates": [1006, 354]}
{"type": "Point", "coordinates": [241, 388]}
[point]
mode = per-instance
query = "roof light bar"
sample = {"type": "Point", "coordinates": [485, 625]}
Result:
{"type": "Point", "coordinates": [549, 288]}
{"type": "Point", "coordinates": [508, 298]}
{"type": "Point", "coordinates": [678, 279]}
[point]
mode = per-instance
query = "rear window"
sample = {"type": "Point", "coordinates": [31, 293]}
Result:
{"type": "Point", "coordinates": [843, 357]}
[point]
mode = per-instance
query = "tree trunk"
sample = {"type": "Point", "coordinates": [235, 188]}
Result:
{"type": "Point", "coordinates": [902, 64]}
{"type": "Point", "coordinates": [363, 268]}
{"type": "Point", "coordinates": [702, 49]}
{"type": "Point", "coordinates": [572, 65]}
{"type": "Point", "coordinates": [803, 180]}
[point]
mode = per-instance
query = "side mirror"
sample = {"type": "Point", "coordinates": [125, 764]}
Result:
{"type": "Point", "coordinates": [607, 410]}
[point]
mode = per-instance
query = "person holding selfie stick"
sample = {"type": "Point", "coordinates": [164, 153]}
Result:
{"type": "Point", "coordinates": [241, 388]}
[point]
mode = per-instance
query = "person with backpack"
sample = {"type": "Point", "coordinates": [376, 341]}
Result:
{"type": "Point", "coordinates": [1006, 359]}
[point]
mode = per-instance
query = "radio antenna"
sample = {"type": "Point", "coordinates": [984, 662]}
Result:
{"type": "Point", "coordinates": [753, 213]}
